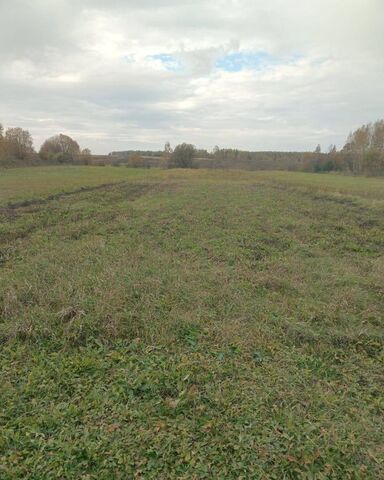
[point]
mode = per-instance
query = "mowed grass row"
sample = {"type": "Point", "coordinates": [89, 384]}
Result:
{"type": "Point", "coordinates": [191, 324]}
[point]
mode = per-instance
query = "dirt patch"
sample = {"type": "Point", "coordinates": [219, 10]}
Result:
{"type": "Point", "coordinates": [57, 196]}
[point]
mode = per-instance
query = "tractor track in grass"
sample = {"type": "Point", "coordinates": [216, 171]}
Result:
{"type": "Point", "coordinates": [134, 191]}
{"type": "Point", "coordinates": [57, 196]}
{"type": "Point", "coordinates": [12, 211]}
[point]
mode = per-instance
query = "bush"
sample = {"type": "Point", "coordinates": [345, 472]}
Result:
{"type": "Point", "coordinates": [183, 156]}
{"type": "Point", "coordinates": [135, 160]}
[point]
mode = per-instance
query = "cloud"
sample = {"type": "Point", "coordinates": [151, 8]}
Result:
{"type": "Point", "coordinates": [242, 73]}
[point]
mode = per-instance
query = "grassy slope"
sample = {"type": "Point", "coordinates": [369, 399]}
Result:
{"type": "Point", "coordinates": [191, 325]}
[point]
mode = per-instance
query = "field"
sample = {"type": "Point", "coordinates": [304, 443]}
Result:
{"type": "Point", "coordinates": [190, 324]}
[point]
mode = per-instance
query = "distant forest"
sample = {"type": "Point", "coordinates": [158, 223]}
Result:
{"type": "Point", "coordinates": [362, 154]}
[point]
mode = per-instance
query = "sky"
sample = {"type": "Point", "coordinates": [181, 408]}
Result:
{"type": "Point", "coordinates": [248, 74]}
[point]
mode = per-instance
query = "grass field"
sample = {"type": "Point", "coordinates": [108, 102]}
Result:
{"type": "Point", "coordinates": [190, 324]}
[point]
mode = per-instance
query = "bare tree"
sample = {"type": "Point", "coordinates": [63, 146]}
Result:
{"type": "Point", "coordinates": [377, 137]}
{"type": "Point", "coordinates": [86, 156]}
{"type": "Point", "coordinates": [86, 151]}
{"type": "Point", "coordinates": [166, 155]}
{"type": "Point", "coordinates": [19, 143]}
{"type": "Point", "coordinates": [167, 148]}
{"type": "Point", "coordinates": [60, 148]}
{"type": "Point", "coordinates": [364, 150]}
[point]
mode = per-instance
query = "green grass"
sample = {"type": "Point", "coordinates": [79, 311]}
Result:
{"type": "Point", "coordinates": [337, 184]}
{"type": "Point", "coordinates": [25, 183]}
{"type": "Point", "coordinates": [190, 324]}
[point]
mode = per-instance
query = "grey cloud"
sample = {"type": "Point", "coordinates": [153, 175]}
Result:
{"type": "Point", "coordinates": [64, 68]}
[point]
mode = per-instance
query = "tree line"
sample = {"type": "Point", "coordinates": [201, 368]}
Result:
{"type": "Point", "coordinates": [362, 154]}
{"type": "Point", "coordinates": [16, 148]}
{"type": "Point", "coordinates": [184, 155]}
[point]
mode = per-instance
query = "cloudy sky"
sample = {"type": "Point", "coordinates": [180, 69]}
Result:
{"type": "Point", "coordinates": [250, 74]}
